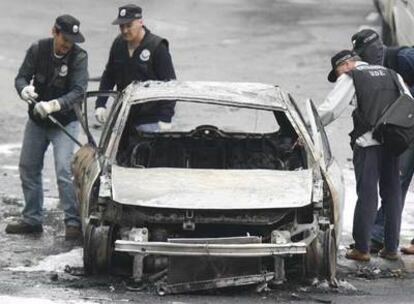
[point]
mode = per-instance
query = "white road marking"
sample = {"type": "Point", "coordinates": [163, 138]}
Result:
{"type": "Point", "coordinates": [21, 300]}
{"type": "Point", "coordinates": [55, 263]}
{"type": "Point", "coordinates": [7, 149]}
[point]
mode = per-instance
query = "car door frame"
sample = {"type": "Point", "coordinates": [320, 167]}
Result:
{"type": "Point", "coordinates": [330, 169]}
{"type": "Point", "coordinates": [88, 161]}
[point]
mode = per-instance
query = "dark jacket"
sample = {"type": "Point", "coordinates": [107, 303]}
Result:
{"type": "Point", "coordinates": [401, 60]}
{"type": "Point", "coordinates": [150, 61]}
{"type": "Point", "coordinates": [375, 89]}
{"type": "Point", "coordinates": [65, 79]}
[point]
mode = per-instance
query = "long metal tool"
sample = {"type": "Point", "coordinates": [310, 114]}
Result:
{"type": "Point", "coordinates": [57, 123]}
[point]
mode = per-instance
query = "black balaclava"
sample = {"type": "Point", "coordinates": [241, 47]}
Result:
{"type": "Point", "coordinates": [373, 53]}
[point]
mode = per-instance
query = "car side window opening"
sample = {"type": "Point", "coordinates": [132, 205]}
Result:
{"type": "Point", "coordinates": [211, 136]}
{"type": "Point", "coordinates": [109, 126]}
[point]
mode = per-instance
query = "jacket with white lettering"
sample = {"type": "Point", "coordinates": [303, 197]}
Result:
{"type": "Point", "coordinates": [150, 61]}
{"type": "Point", "coordinates": [375, 90]}
{"type": "Point", "coordinates": [65, 79]}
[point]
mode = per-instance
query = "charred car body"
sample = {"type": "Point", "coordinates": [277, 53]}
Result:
{"type": "Point", "coordinates": [237, 192]}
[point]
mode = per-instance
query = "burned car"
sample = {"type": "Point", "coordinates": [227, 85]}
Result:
{"type": "Point", "coordinates": [239, 191]}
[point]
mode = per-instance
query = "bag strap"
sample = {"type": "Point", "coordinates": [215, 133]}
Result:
{"type": "Point", "coordinates": [400, 89]}
{"type": "Point", "coordinates": [397, 82]}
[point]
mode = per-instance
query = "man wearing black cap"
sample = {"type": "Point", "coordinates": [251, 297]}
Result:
{"type": "Point", "coordinates": [368, 45]}
{"type": "Point", "coordinates": [370, 88]}
{"type": "Point", "coordinates": [137, 55]}
{"type": "Point", "coordinates": [52, 78]}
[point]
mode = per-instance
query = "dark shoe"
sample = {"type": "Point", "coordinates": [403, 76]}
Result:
{"type": "Point", "coordinates": [374, 246]}
{"type": "Point", "coordinates": [21, 227]}
{"type": "Point", "coordinates": [355, 254]}
{"type": "Point", "coordinates": [408, 250]}
{"type": "Point", "coordinates": [73, 233]}
{"type": "Point", "coordinates": [388, 255]}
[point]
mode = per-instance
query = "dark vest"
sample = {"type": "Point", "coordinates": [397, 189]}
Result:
{"type": "Point", "coordinates": [141, 67]}
{"type": "Point", "coordinates": [375, 90]}
{"type": "Point", "coordinates": [51, 79]}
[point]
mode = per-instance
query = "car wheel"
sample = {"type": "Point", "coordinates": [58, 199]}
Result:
{"type": "Point", "coordinates": [321, 256]}
{"type": "Point", "coordinates": [87, 250]}
{"type": "Point", "coordinates": [329, 256]}
{"type": "Point", "coordinates": [97, 249]}
{"type": "Point", "coordinates": [312, 259]}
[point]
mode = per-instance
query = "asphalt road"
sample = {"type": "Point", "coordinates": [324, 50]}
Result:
{"type": "Point", "coordinates": [284, 42]}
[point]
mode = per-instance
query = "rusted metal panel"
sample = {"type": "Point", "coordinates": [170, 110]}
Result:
{"type": "Point", "coordinates": [208, 267]}
{"type": "Point", "coordinates": [211, 189]}
{"type": "Point", "coordinates": [164, 288]}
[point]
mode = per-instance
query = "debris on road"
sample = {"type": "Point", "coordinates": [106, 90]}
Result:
{"type": "Point", "coordinates": [11, 200]}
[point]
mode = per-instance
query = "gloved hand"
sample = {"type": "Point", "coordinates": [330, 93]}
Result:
{"type": "Point", "coordinates": [28, 93]}
{"type": "Point", "coordinates": [44, 108]}
{"type": "Point", "coordinates": [164, 126]}
{"type": "Point", "coordinates": [101, 115]}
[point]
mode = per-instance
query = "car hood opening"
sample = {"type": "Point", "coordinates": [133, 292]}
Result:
{"type": "Point", "coordinates": [211, 188]}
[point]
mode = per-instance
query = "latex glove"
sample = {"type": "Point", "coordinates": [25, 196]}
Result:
{"type": "Point", "coordinates": [164, 126]}
{"type": "Point", "coordinates": [28, 93]}
{"type": "Point", "coordinates": [44, 108]}
{"type": "Point", "coordinates": [101, 115]}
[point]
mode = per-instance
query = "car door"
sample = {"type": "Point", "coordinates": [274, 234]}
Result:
{"type": "Point", "coordinates": [87, 162]}
{"type": "Point", "coordinates": [330, 169]}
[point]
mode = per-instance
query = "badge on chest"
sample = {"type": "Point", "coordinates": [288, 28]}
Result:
{"type": "Point", "coordinates": [63, 71]}
{"type": "Point", "coordinates": [145, 55]}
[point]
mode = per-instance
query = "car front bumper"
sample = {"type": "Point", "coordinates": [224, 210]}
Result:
{"type": "Point", "coordinates": [207, 249]}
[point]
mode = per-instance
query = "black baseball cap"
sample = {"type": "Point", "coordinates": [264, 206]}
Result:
{"type": "Point", "coordinates": [127, 13]}
{"type": "Point", "coordinates": [337, 59]}
{"type": "Point", "coordinates": [363, 38]}
{"type": "Point", "coordinates": [69, 27]}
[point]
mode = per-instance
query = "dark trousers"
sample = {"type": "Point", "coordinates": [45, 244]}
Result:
{"type": "Point", "coordinates": [375, 166]}
{"type": "Point", "coordinates": [406, 175]}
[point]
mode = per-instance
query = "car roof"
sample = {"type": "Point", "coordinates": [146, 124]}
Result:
{"type": "Point", "coordinates": [255, 95]}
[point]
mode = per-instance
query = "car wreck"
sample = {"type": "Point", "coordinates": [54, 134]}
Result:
{"type": "Point", "coordinates": [238, 192]}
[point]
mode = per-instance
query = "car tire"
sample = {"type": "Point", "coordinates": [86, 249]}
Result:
{"type": "Point", "coordinates": [329, 255]}
{"type": "Point", "coordinates": [87, 249]}
{"type": "Point", "coordinates": [321, 257]}
{"type": "Point", "coordinates": [312, 260]}
{"type": "Point", "coordinates": [97, 249]}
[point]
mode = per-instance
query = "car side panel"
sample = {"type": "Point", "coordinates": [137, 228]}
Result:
{"type": "Point", "coordinates": [330, 171]}
{"type": "Point", "coordinates": [86, 170]}
{"type": "Point", "coordinates": [335, 181]}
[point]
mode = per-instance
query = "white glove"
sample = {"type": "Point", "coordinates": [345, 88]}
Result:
{"type": "Point", "coordinates": [164, 126]}
{"type": "Point", "coordinates": [101, 115]}
{"type": "Point", "coordinates": [44, 108]}
{"type": "Point", "coordinates": [28, 93]}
